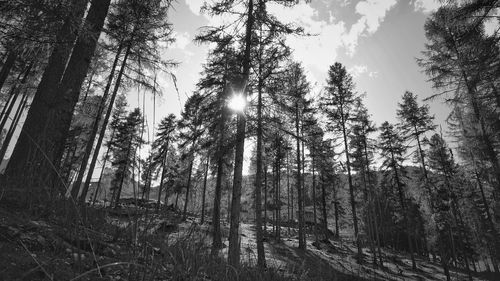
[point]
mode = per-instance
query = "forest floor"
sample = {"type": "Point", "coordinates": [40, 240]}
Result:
{"type": "Point", "coordinates": [139, 244]}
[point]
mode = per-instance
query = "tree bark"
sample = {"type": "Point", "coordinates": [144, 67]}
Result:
{"type": "Point", "coordinates": [234, 237]}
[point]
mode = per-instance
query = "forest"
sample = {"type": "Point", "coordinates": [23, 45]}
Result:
{"type": "Point", "coordinates": [261, 176]}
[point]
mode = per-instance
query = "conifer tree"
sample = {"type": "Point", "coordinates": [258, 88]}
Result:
{"type": "Point", "coordinates": [338, 104]}
{"type": "Point", "coordinates": [393, 152]}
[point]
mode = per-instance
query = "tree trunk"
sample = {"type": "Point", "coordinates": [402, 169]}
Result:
{"type": "Point", "coordinates": [7, 66]}
{"type": "Point", "coordinates": [104, 125]}
{"type": "Point", "coordinates": [13, 125]}
{"type": "Point", "coordinates": [14, 95]}
{"type": "Point", "coordinates": [204, 191]}
{"type": "Point", "coordinates": [93, 133]}
{"type": "Point", "coordinates": [302, 240]}
{"type": "Point", "coordinates": [314, 201]}
{"type": "Point", "coordinates": [323, 202]}
{"type": "Point", "coordinates": [49, 119]}
{"type": "Point", "coordinates": [217, 237]}
{"type": "Point", "coordinates": [102, 170]}
{"type": "Point", "coordinates": [234, 237]}
{"type": "Point", "coordinates": [188, 186]}
{"type": "Point", "coordinates": [405, 211]}
{"type": "Point", "coordinates": [265, 198]}
{"type": "Point", "coordinates": [261, 258]}
{"type": "Point", "coordinates": [359, 258]}
{"type": "Point", "coordinates": [162, 177]}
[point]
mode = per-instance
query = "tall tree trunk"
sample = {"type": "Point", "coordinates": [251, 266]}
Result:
{"type": "Point", "coordinates": [405, 212]}
{"type": "Point", "coordinates": [302, 240]}
{"type": "Point", "coordinates": [288, 192]}
{"type": "Point", "coordinates": [234, 237]}
{"type": "Point", "coordinates": [277, 200]}
{"type": "Point", "coordinates": [49, 119]}
{"type": "Point", "coordinates": [98, 187]}
{"type": "Point", "coordinates": [93, 133]}
{"type": "Point", "coordinates": [162, 177]}
{"type": "Point", "coordinates": [265, 198]}
{"type": "Point", "coordinates": [204, 190]}
{"type": "Point", "coordinates": [109, 109]}
{"type": "Point", "coordinates": [124, 174]}
{"type": "Point", "coordinates": [323, 202]}
{"type": "Point", "coordinates": [14, 95]}
{"type": "Point", "coordinates": [261, 258]}
{"type": "Point", "coordinates": [376, 205]}
{"type": "Point", "coordinates": [188, 187]}
{"type": "Point", "coordinates": [7, 66]}
{"type": "Point", "coordinates": [13, 125]}
{"type": "Point", "coordinates": [217, 237]}
{"type": "Point", "coordinates": [359, 257]}
{"type": "Point", "coordinates": [314, 201]}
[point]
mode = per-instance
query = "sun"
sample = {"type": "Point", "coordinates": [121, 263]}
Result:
{"type": "Point", "coordinates": [237, 103]}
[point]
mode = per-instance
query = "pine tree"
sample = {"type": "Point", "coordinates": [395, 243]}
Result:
{"type": "Point", "coordinates": [123, 149]}
{"type": "Point", "coordinates": [190, 132]}
{"type": "Point", "coordinates": [393, 151]}
{"type": "Point", "coordinates": [338, 104]}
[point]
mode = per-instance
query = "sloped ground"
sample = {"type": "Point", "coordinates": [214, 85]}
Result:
{"type": "Point", "coordinates": [139, 244]}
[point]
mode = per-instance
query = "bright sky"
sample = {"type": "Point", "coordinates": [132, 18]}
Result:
{"type": "Point", "coordinates": [377, 40]}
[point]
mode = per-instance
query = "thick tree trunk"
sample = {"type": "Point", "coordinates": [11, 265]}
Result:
{"type": "Point", "coordinates": [49, 119]}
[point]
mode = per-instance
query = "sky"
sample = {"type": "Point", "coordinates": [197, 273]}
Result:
{"type": "Point", "coordinates": [377, 40]}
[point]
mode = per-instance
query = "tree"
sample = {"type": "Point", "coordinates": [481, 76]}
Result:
{"type": "Point", "coordinates": [126, 140]}
{"type": "Point", "coordinates": [165, 136]}
{"type": "Point", "coordinates": [50, 113]}
{"type": "Point", "coordinates": [362, 157]}
{"type": "Point", "coordinates": [338, 104]}
{"type": "Point", "coordinates": [392, 151]}
{"type": "Point", "coordinates": [190, 132]}
{"type": "Point", "coordinates": [416, 121]}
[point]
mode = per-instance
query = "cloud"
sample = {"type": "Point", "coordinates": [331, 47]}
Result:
{"type": "Point", "coordinates": [373, 12]}
{"type": "Point", "coordinates": [195, 6]}
{"type": "Point", "coordinates": [181, 40]}
{"type": "Point", "coordinates": [426, 6]}
{"type": "Point", "coordinates": [357, 70]}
